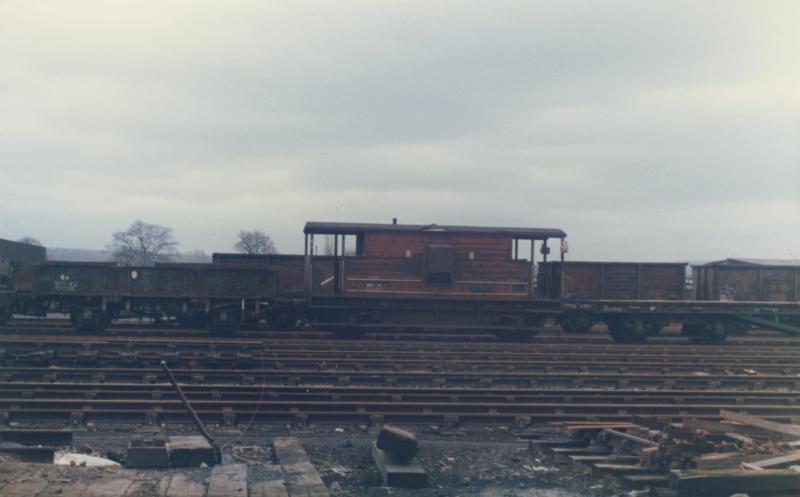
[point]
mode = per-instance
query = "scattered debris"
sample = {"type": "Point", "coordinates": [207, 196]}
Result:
{"type": "Point", "coordinates": [73, 459]}
{"type": "Point", "coordinates": [742, 453]}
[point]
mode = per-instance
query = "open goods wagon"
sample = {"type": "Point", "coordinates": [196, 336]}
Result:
{"type": "Point", "coordinates": [636, 300]}
{"type": "Point", "coordinates": [17, 261]}
{"type": "Point", "coordinates": [95, 293]}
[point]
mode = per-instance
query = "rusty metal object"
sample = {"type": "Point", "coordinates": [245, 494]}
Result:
{"type": "Point", "coordinates": [199, 424]}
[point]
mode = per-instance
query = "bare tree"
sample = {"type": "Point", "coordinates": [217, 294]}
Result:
{"type": "Point", "coordinates": [255, 242]}
{"type": "Point", "coordinates": [197, 255]}
{"type": "Point", "coordinates": [143, 244]}
{"type": "Point", "coordinates": [30, 241]}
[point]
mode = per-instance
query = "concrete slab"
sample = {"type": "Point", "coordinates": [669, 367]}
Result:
{"type": "Point", "coordinates": [275, 488]}
{"type": "Point", "coordinates": [228, 480]}
{"type": "Point", "coordinates": [111, 487]}
{"type": "Point", "coordinates": [71, 489]}
{"type": "Point", "coordinates": [302, 477]}
{"type": "Point", "coordinates": [24, 486]}
{"type": "Point", "coordinates": [183, 486]}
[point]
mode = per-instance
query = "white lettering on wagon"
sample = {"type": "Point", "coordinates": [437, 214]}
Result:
{"type": "Point", "coordinates": [64, 284]}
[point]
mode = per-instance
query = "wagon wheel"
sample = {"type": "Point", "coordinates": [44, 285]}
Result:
{"type": "Point", "coordinates": [705, 333]}
{"type": "Point", "coordinates": [653, 327]}
{"type": "Point", "coordinates": [224, 321]}
{"type": "Point", "coordinates": [285, 319]}
{"type": "Point", "coordinates": [354, 328]}
{"type": "Point", "coordinates": [576, 322]}
{"type": "Point", "coordinates": [96, 323]}
{"type": "Point", "coordinates": [626, 330]}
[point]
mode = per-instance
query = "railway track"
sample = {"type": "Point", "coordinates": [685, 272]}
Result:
{"type": "Point", "coordinates": [380, 357]}
{"type": "Point", "coordinates": [550, 334]}
{"type": "Point", "coordinates": [157, 403]}
{"type": "Point", "coordinates": [69, 378]}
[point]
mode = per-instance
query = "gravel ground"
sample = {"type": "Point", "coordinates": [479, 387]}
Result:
{"type": "Point", "coordinates": [484, 462]}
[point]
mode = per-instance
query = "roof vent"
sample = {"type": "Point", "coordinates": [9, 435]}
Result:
{"type": "Point", "coordinates": [394, 220]}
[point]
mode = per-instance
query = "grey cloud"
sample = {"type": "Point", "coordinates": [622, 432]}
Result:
{"type": "Point", "coordinates": [629, 124]}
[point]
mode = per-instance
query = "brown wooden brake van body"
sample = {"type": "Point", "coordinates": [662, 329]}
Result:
{"type": "Point", "coordinates": [432, 261]}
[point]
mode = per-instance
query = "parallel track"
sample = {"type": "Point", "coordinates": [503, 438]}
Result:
{"type": "Point", "coordinates": [293, 378]}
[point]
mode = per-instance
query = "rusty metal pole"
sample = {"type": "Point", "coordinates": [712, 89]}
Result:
{"type": "Point", "coordinates": [199, 424]}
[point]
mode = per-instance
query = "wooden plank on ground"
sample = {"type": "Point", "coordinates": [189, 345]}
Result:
{"type": "Point", "coordinates": [777, 462]}
{"type": "Point", "coordinates": [303, 480]}
{"type": "Point", "coordinates": [8, 473]}
{"type": "Point", "coordinates": [228, 480]}
{"type": "Point", "coordinates": [720, 427]}
{"type": "Point", "coordinates": [634, 482]}
{"type": "Point", "coordinates": [560, 455]}
{"type": "Point", "coordinates": [113, 487]}
{"type": "Point", "coordinates": [723, 460]}
{"type": "Point", "coordinates": [729, 482]}
{"type": "Point", "coordinates": [408, 474]}
{"type": "Point", "coordinates": [599, 469]}
{"type": "Point", "coordinates": [762, 423]}
{"type": "Point", "coordinates": [25, 486]}
{"type": "Point", "coordinates": [581, 461]}
{"type": "Point", "coordinates": [289, 450]}
{"type": "Point", "coordinates": [148, 484]}
{"type": "Point", "coordinates": [302, 477]}
{"type": "Point", "coordinates": [74, 488]}
{"type": "Point", "coordinates": [631, 438]}
{"type": "Point", "coordinates": [536, 447]}
{"type": "Point", "coordinates": [739, 438]}
{"type": "Point", "coordinates": [183, 486]}
{"type": "Point", "coordinates": [273, 488]}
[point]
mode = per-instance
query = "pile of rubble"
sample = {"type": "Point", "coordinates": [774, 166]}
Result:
{"type": "Point", "coordinates": [735, 454]}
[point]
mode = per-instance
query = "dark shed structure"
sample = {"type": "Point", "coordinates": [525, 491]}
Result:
{"type": "Point", "coordinates": [21, 252]}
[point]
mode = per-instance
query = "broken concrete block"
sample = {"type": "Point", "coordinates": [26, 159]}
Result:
{"type": "Point", "coordinates": [400, 443]}
{"type": "Point", "coordinates": [396, 473]}
{"type": "Point", "coordinates": [190, 451]}
{"type": "Point", "coordinates": [147, 453]}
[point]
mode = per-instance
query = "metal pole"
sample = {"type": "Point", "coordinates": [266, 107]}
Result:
{"type": "Point", "coordinates": [199, 424]}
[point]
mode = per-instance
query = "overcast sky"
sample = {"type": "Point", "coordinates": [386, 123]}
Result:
{"type": "Point", "coordinates": [646, 130]}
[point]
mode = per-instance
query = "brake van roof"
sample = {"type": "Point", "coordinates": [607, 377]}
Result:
{"type": "Point", "coordinates": [322, 228]}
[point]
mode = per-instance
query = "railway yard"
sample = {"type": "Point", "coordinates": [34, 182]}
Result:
{"type": "Point", "coordinates": [558, 415]}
